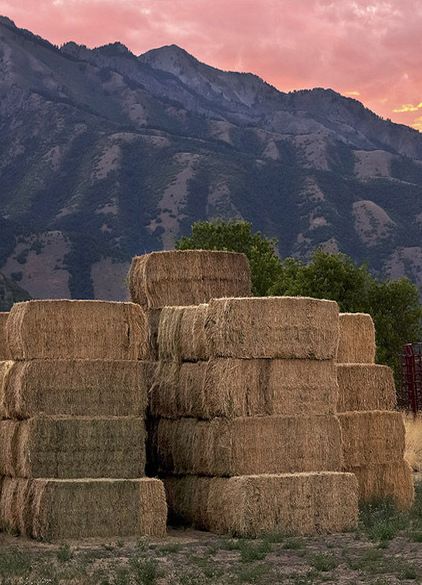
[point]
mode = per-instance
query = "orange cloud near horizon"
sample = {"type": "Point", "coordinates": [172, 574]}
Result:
{"type": "Point", "coordinates": [366, 49]}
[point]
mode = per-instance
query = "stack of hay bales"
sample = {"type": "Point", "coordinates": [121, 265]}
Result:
{"type": "Point", "coordinates": [245, 432]}
{"type": "Point", "coordinates": [373, 433]}
{"type": "Point", "coordinates": [72, 434]}
{"type": "Point", "coordinates": [4, 351]}
{"type": "Point", "coordinates": [185, 277]}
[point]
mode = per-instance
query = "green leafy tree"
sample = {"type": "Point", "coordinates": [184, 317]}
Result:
{"type": "Point", "coordinates": [237, 236]}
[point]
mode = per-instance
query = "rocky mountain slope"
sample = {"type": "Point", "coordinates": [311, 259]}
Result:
{"type": "Point", "coordinates": [10, 293]}
{"type": "Point", "coordinates": [104, 154]}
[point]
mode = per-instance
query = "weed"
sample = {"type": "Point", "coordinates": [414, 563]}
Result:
{"type": "Point", "coordinates": [409, 572]}
{"type": "Point", "coordinates": [294, 544]}
{"type": "Point", "coordinates": [252, 573]}
{"type": "Point", "coordinates": [145, 571]}
{"type": "Point", "coordinates": [381, 521]}
{"type": "Point", "coordinates": [324, 562]}
{"type": "Point", "coordinates": [254, 551]}
{"type": "Point", "coordinates": [14, 563]}
{"type": "Point", "coordinates": [64, 554]}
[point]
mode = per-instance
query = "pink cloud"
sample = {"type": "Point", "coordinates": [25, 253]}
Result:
{"type": "Point", "coordinates": [366, 46]}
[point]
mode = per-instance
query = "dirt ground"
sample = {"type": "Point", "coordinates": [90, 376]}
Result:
{"type": "Point", "coordinates": [385, 550]}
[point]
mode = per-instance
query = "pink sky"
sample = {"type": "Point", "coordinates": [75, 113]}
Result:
{"type": "Point", "coordinates": [367, 49]}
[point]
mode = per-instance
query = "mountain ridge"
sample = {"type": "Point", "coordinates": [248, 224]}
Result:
{"type": "Point", "coordinates": [106, 154]}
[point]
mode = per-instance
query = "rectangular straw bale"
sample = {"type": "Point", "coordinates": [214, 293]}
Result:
{"type": "Point", "coordinates": [372, 438]}
{"type": "Point", "coordinates": [50, 509]}
{"type": "Point", "coordinates": [76, 387]}
{"type": "Point", "coordinates": [273, 327]}
{"type": "Point", "coordinates": [238, 388]}
{"type": "Point", "coordinates": [77, 330]}
{"type": "Point", "coordinates": [357, 339]}
{"type": "Point", "coordinates": [390, 481]}
{"type": "Point", "coordinates": [4, 348]}
{"type": "Point", "coordinates": [250, 506]}
{"type": "Point", "coordinates": [269, 444]}
{"type": "Point", "coordinates": [5, 367]}
{"type": "Point", "coordinates": [181, 333]}
{"type": "Point", "coordinates": [187, 277]}
{"type": "Point", "coordinates": [73, 447]}
{"type": "Point", "coordinates": [365, 387]}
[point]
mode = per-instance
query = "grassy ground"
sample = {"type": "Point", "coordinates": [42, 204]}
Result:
{"type": "Point", "coordinates": [386, 549]}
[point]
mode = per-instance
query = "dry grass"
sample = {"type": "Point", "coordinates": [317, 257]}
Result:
{"type": "Point", "coordinates": [365, 387]}
{"type": "Point", "coordinates": [242, 446]}
{"type": "Point", "coordinates": [357, 339]}
{"type": "Point", "coordinates": [49, 509]}
{"type": "Point", "coordinates": [235, 388]}
{"type": "Point", "coordinates": [273, 327]}
{"type": "Point", "coordinates": [4, 349]}
{"type": "Point", "coordinates": [372, 438]}
{"type": "Point", "coordinates": [299, 504]}
{"type": "Point", "coordinates": [413, 452]}
{"type": "Point", "coordinates": [188, 277]}
{"type": "Point", "coordinates": [71, 447]}
{"type": "Point", "coordinates": [181, 334]}
{"type": "Point", "coordinates": [74, 387]}
{"type": "Point", "coordinates": [77, 330]}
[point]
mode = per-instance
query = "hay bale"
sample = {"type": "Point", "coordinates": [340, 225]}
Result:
{"type": "Point", "coordinates": [365, 387]}
{"type": "Point", "coordinates": [269, 444]}
{"type": "Point", "coordinates": [181, 334]}
{"type": "Point", "coordinates": [273, 327]}
{"type": "Point", "coordinates": [250, 506]}
{"type": "Point", "coordinates": [73, 447]}
{"type": "Point", "coordinates": [77, 330]}
{"type": "Point", "coordinates": [75, 387]}
{"type": "Point", "coordinates": [4, 348]}
{"type": "Point", "coordinates": [391, 481]}
{"type": "Point", "coordinates": [238, 388]}
{"type": "Point", "coordinates": [187, 277]}
{"type": "Point", "coordinates": [49, 509]}
{"type": "Point", "coordinates": [357, 339]}
{"type": "Point", "coordinates": [5, 367]}
{"type": "Point", "coordinates": [372, 438]}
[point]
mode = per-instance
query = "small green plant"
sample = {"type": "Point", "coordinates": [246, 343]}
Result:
{"type": "Point", "coordinates": [145, 571]}
{"type": "Point", "coordinates": [64, 554]}
{"type": "Point", "coordinates": [324, 562]}
{"type": "Point", "coordinates": [409, 572]}
{"type": "Point", "coordinates": [252, 573]}
{"type": "Point", "coordinates": [294, 544]}
{"type": "Point", "coordinates": [381, 521]}
{"type": "Point", "coordinates": [14, 564]}
{"type": "Point", "coordinates": [254, 551]}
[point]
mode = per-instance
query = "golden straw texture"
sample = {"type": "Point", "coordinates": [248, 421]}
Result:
{"type": "Point", "coordinates": [272, 444]}
{"type": "Point", "coordinates": [237, 388]}
{"type": "Point", "coordinates": [77, 330]}
{"type": "Point", "coordinates": [4, 349]}
{"type": "Point", "coordinates": [393, 481]}
{"type": "Point", "coordinates": [73, 447]}
{"type": "Point", "coordinates": [298, 504]}
{"type": "Point", "coordinates": [187, 277]}
{"type": "Point", "coordinates": [365, 387]}
{"type": "Point", "coordinates": [75, 387]}
{"type": "Point", "coordinates": [49, 509]}
{"type": "Point", "coordinates": [372, 438]}
{"type": "Point", "coordinates": [357, 339]}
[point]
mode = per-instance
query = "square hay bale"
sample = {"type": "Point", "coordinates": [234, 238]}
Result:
{"type": "Point", "coordinates": [365, 387]}
{"type": "Point", "coordinates": [73, 447]}
{"type": "Point", "coordinates": [5, 367]}
{"type": "Point", "coordinates": [228, 387]}
{"type": "Point", "coordinates": [4, 348]}
{"type": "Point", "coordinates": [390, 481]}
{"type": "Point", "coordinates": [413, 451]}
{"type": "Point", "coordinates": [372, 438]}
{"type": "Point", "coordinates": [50, 509]}
{"type": "Point", "coordinates": [247, 328]}
{"type": "Point", "coordinates": [241, 446]}
{"type": "Point", "coordinates": [273, 327]}
{"type": "Point", "coordinates": [75, 387]}
{"type": "Point", "coordinates": [77, 330]}
{"type": "Point", "coordinates": [250, 506]}
{"type": "Point", "coordinates": [181, 334]}
{"type": "Point", "coordinates": [187, 277]}
{"type": "Point", "coordinates": [357, 339]}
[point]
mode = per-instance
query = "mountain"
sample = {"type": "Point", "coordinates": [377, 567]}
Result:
{"type": "Point", "coordinates": [105, 154]}
{"type": "Point", "coordinates": [10, 293]}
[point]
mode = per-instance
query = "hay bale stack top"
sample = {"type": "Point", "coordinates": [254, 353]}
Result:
{"type": "Point", "coordinates": [64, 329]}
{"type": "Point", "coordinates": [187, 277]}
{"type": "Point", "coordinates": [356, 339]}
{"type": "Point", "coordinates": [4, 350]}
